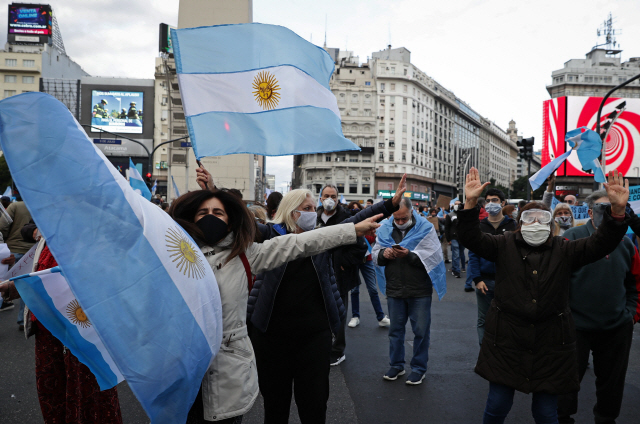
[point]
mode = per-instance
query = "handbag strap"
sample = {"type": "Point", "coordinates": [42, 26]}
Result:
{"type": "Point", "coordinates": [247, 268]}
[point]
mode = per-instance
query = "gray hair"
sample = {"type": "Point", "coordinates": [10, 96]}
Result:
{"type": "Point", "coordinates": [591, 199]}
{"type": "Point", "coordinates": [329, 186]}
{"type": "Point", "coordinates": [405, 202]}
{"type": "Point", "coordinates": [482, 201]}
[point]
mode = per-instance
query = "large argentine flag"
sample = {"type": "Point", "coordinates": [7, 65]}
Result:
{"type": "Point", "coordinates": [136, 181]}
{"type": "Point", "coordinates": [141, 280]}
{"type": "Point", "coordinates": [255, 88]}
{"type": "Point", "coordinates": [421, 240]}
{"type": "Point", "coordinates": [50, 298]}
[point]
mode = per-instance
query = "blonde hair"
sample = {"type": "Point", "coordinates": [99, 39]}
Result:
{"type": "Point", "coordinates": [561, 206]}
{"type": "Point", "coordinates": [259, 212]}
{"type": "Point", "coordinates": [290, 203]}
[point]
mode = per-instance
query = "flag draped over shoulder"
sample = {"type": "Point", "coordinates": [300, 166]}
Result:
{"type": "Point", "coordinates": [256, 88]}
{"type": "Point", "coordinates": [587, 145]}
{"type": "Point", "coordinates": [50, 298]}
{"type": "Point", "coordinates": [422, 240]}
{"type": "Point", "coordinates": [140, 279]}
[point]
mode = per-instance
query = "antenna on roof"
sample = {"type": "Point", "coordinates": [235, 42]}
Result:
{"type": "Point", "coordinates": [389, 26]}
{"type": "Point", "coordinates": [607, 31]}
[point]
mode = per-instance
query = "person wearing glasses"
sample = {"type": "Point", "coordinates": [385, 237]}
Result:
{"type": "Point", "coordinates": [529, 342]}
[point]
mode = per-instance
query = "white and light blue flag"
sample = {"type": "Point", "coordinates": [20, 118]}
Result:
{"type": "Point", "coordinates": [136, 181]}
{"type": "Point", "coordinates": [256, 88]}
{"type": "Point", "coordinates": [422, 240]}
{"type": "Point", "coordinates": [587, 145]}
{"type": "Point", "coordinates": [8, 192]}
{"type": "Point", "coordinates": [175, 187]}
{"type": "Point", "coordinates": [146, 288]}
{"type": "Point", "coordinates": [51, 300]}
{"type": "Point", "coordinates": [154, 188]}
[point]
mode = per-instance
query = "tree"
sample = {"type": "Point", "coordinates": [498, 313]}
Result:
{"type": "Point", "coordinates": [5, 175]}
{"type": "Point", "coordinates": [520, 187]}
{"type": "Point", "coordinates": [493, 184]}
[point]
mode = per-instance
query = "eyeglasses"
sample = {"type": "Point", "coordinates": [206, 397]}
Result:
{"type": "Point", "coordinates": [531, 215]}
{"type": "Point", "coordinates": [494, 200]}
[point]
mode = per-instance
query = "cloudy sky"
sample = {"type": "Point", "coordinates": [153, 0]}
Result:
{"type": "Point", "coordinates": [497, 55]}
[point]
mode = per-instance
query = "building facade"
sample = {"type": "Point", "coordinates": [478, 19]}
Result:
{"type": "Point", "coordinates": [271, 181]}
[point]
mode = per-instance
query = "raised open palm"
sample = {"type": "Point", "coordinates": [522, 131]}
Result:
{"type": "Point", "coordinates": [617, 191]}
{"type": "Point", "coordinates": [473, 187]}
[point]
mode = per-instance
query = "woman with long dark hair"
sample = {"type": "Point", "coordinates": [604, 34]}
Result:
{"type": "Point", "coordinates": [224, 229]}
{"type": "Point", "coordinates": [529, 341]}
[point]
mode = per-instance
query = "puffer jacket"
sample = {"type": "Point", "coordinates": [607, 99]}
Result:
{"type": "Point", "coordinates": [530, 340]}
{"type": "Point", "coordinates": [230, 386]}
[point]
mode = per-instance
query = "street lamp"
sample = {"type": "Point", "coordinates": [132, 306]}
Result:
{"type": "Point", "coordinates": [637, 173]}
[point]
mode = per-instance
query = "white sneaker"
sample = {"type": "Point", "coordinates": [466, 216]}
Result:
{"type": "Point", "coordinates": [355, 321]}
{"type": "Point", "coordinates": [384, 322]}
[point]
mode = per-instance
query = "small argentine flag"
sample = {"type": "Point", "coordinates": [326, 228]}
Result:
{"type": "Point", "coordinates": [255, 88]}
{"type": "Point", "coordinates": [175, 187]}
{"type": "Point", "coordinates": [154, 188]}
{"type": "Point", "coordinates": [137, 183]}
{"type": "Point", "coordinates": [51, 300]}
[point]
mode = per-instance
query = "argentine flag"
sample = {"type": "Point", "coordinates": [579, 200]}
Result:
{"type": "Point", "coordinates": [255, 88]}
{"type": "Point", "coordinates": [142, 282]}
{"type": "Point", "coordinates": [136, 181]}
{"type": "Point", "coordinates": [421, 240]}
{"type": "Point", "coordinates": [154, 188]}
{"type": "Point", "coordinates": [175, 187]}
{"type": "Point", "coordinates": [51, 300]}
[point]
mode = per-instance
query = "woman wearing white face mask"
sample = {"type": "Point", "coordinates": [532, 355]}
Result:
{"type": "Point", "coordinates": [563, 218]}
{"type": "Point", "coordinates": [294, 310]}
{"type": "Point", "coordinates": [529, 338]}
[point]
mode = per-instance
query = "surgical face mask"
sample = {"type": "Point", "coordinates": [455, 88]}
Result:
{"type": "Point", "coordinates": [455, 207]}
{"type": "Point", "coordinates": [598, 213]}
{"type": "Point", "coordinates": [535, 234]}
{"type": "Point", "coordinates": [329, 204]}
{"type": "Point", "coordinates": [307, 220]}
{"type": "Point", "coordinates": [564, 221]}
{"type": "Point", "coordinates": [214, 229]}
{"type": "Point", "coordinates": [493, 208]}
{"type": "Point", "coordinates": [405, 225]}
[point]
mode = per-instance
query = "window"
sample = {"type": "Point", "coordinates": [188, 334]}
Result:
{"type": "Point", "coordinates": [405, 72]}
{"type": "Point", "coordinates": [381, 156]}
{"type": "Point", "coordinates": [366, 188]}
{"type": "Point", "coordinates": [393, 71]}
{"type": "Point", "coordinates": [382, 86]}
{"type": "Point", "coordinates": [367, 112]}
{"type": "Point", "coordinates": [393, 87]}
{"type": "Point", "coordinates": [366, 158]}
{"type": "Point", "coordinates": [391, 157]}
{"type": "Point", "coordinates": [341, 97]}
{"type": "Point", "coordinates": [404, 88]}
{"type": "Point", "coordinates": [353, 188]}
{"type": "Point", "coordinates": [10, 78]}
{"type": "Point", "coordinates": [11, 62]}
{"type": "Point", "coordinates": [367, 83]}
{"type": "Point", "coordinates": [404, 157]}
{"type": "Point", "coordinates": [29, 63]}
{"type": "Point", "coordinates": [340, 187]}
{"type": "Point", "coordinates": [327, 158]}
{"type": "Point", "coordinates": [9, 93]}
{"type": "Point", "coordinates": [404, 127]}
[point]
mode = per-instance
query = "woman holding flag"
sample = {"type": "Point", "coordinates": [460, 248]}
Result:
{"type": "Point", "coordinates": [224, 229]}
{"type": "Point", "coordinates": [529, 340]}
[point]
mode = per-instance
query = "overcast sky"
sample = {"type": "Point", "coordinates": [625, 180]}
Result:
{"type": "Point", "coordinates": [496, 55]}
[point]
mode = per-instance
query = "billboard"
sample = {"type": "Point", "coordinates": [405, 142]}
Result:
{"type": "Point", "coordinates": [568, 113]}
{"type": "Point", "coordinates": [30, 19]}
{"type": "Point", "coordinates": [117, 111]}
{"type": "Point", "coordinates": [165, 45]}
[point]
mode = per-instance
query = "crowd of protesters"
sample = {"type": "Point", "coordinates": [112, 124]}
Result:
{"type": "Point", "coordinates": [287, 268]}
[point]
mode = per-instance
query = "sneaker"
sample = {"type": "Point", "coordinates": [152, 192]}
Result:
{"type": "Point", "coordinates": [355, 321]}
{"type": "Point", "coordinates": [447, 261]}
{"type": "Point", "coordinates": [20, 327]}
{"type": "Point", "coordinates": [6, 306]}
{"type": "Point", "coordinates": [384, 322]}
{"type": "Point", "coordinates": [468, 289]}
{"type": "Point", "coordinates": [464, 271]}
{"type": "Point", "coordinates": [455, 274]}
{"type": "Point", "coordinates": [414, 379]}
{"type": "Point", "coordinates": [337, 361]}
{"type": "Point", "coordinates": [393, 374]}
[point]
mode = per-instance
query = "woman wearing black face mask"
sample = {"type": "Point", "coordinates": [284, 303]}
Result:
{"type": "Point", "coordinates": [529, 339]}
{"type": "Point", "coordinates": [224, 229]}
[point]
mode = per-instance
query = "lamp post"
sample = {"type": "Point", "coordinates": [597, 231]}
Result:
{"type": "Point", "coordinates": [637, 173]}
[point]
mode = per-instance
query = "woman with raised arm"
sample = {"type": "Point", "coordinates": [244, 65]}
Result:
{"type": "Point", "coordinates": [529, 339]}
{"type": "Point", "coordinates": [224, 229]}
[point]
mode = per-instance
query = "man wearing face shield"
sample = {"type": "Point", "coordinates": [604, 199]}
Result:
{"type": "Point", "coordinates": [604, 303]}
{"type": "Point", "coordinates": [529, 340]}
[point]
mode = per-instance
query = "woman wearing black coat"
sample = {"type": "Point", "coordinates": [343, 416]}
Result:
{"type": "Point", "coordinates": [529, 341]}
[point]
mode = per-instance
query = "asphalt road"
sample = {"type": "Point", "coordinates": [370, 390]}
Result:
{"type": "Point", "coordinates": [451, 393]}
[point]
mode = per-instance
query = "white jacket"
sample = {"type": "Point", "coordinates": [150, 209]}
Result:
{"type": "Point", "coordinates": [230, 386]}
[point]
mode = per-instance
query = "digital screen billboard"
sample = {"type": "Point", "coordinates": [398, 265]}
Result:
{"type": "Point", "coordinates": [30, 19]}
{"type": "Point", "coordinates": [117, 111]}
{"type": "Point", "coordinates": [165, 39]}
{"type": "Point", "coordinates": [568, 113]}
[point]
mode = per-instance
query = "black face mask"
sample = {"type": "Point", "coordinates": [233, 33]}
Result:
{"type": "Point", "coordinates": [214, 229]}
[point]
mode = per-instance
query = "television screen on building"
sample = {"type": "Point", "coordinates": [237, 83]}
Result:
{"type": "Point", "coordinates": [117, 111]}
{"type": "Point", "coordinates": [564, 114]}
{"type": "Point", "coordinates": [29, 19]}
{"type": "Point", "coordinates": [165, 39]}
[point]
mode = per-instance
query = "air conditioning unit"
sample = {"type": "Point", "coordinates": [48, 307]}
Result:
{"type": "Point", "coordinates": [163, 119]}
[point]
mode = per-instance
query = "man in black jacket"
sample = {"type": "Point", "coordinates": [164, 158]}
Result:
{"type": "Point", "coordinates": [457, 249]}
{"type": "Point", "coordinates": [346, 259]}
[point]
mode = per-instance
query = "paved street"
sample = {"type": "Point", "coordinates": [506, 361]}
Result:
{"type": "Point", "coordinates": [451, 393]}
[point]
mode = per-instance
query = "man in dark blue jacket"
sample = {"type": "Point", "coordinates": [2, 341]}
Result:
{"type": "Point", "coordinates": [482, 271]}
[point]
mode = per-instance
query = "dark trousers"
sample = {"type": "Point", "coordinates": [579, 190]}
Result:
{"type": "Point", "coordinates": [610, 359]}
{"type": "Point", "coordinates": [297, 363]}
{"type": "Point", "coordinates": [340, 343]}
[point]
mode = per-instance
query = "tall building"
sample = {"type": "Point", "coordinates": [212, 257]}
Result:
{"type": "Point", "coordinates": [352, 172]}
{"type": "Point", "coordinates": [176, 160]}
{"type": "Point", "coordinates": [271, 181]}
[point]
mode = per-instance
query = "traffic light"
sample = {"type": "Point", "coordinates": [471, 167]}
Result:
{"type": "Point", "coordinates": [148, 179]}
{"type": "Point", "coordinates": [526, 148]}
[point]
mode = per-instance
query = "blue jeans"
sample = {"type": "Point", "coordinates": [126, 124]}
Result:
{"type": "Point", "coordinates": [418, 311]}
{"type": "Point", "coordinates": [457, 257]}
{"type": "Point", "coordinates": [369, 275]}
{"type": "Point", "coordinates": [543, 406]}
{"type": "Point", "coordinates": [484, 302]}
{"type": "Point", "coordinates": [21, 308]}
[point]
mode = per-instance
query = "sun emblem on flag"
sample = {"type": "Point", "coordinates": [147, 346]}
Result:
{"type": "Point", "coordinates": [184, 254]}
{"type": "Point", "coordinates": [76, 315]}
{"type": "Point", "coordinates": [266, 90]}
